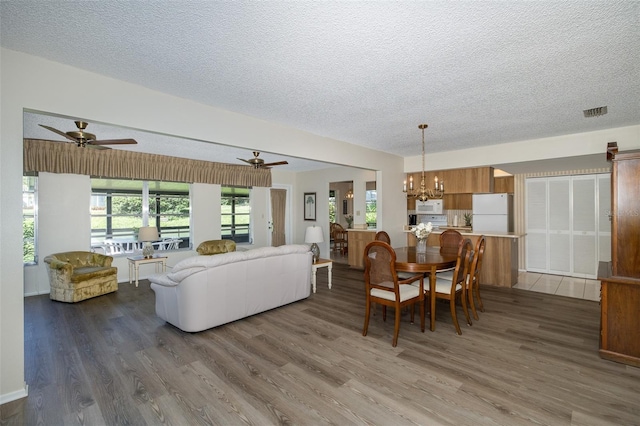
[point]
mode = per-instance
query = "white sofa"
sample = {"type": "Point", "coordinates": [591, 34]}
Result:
{"type": "Point", "coordinates": [206, 291]}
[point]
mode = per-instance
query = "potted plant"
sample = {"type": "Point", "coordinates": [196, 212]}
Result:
{"type": "Point", "coordinates": [467, 219]}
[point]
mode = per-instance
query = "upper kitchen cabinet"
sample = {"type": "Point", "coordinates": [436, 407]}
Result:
{"type": "Point", "coordinates": [458, 181]}
{"type": "Point", "coordinates": [503, 184]}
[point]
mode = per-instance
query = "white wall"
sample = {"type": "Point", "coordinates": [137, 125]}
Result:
{"type": "Point", "coordinates": [318, 182]}
{"type": "Point", "coordinates": [35, 84]}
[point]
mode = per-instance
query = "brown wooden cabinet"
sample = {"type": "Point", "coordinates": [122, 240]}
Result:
{"type": "Point", "coordinates": [357, 241]}
{"type": "Point", "coordinates": [458, 181]}
{"type": "Point", "coordinates": [620, 279]}
{"type": "Point", "coordinates": [503, 184]}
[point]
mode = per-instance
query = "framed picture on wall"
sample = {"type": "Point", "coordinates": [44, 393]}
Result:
{"type": "Point", "coordinates": [345, 207]}
{"type": "Point", "coordinates": [309, 206]}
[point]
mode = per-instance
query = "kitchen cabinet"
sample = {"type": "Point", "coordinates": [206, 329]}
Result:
{"type": "Point", "coordinates": [357, 241]}
{"type": "Point", "coordinates": [503, 184]}
{"type": "Point", "coordinates": [620, 278]}
{"type": "Point", "coordinates": [458, 181]}
{"type": "Point", "coordinates": [458, 201]}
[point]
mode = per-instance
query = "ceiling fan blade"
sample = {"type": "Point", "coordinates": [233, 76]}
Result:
{"type": "Point", "coordinates": [61, 133]}
{"type": "Point", "coordinates": [278, 163]}
{"type": "Point", "coordinates": [246, 161]}
{"type": "Point", "coordinates": [92, 146]}
{"type": "Point", "coordinates": [113, 142]}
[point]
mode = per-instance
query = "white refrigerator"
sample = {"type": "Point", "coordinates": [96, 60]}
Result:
{"type": "Point", "coordinates": [492, 213]}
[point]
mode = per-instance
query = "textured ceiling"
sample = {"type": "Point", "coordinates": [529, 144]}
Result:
{"type": "Point", "coordinates": [480, 73]}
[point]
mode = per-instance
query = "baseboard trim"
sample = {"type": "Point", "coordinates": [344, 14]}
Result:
{"type": "Point", "coordinates": [12, 396]}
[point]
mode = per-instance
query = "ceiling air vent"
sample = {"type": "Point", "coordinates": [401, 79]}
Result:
{"type": "Point", "coordinates": [595, 112]}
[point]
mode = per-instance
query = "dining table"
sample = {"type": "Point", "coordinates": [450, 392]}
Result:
{"type": "Point", "coordinates": [429, 262]}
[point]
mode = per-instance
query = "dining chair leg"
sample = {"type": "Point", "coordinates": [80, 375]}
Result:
{"type": "Point", "coordinates": [384, 313]}
{"type": "Point", "coordinates": [421, 315]}
{"type": "Point", "coordinates": [463, 301]}
{"type": "Point", "coordinates": [476, 290]}
{"type": "Point", "coordinates": [366, 318]}
{"type": "Point", "coordinates": [396, 327]}
{"type": "Point", "coordinates": [471, 303]}
{"type": "Point", "coordinates": [454, 316]}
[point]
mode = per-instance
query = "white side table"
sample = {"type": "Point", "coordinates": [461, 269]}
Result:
{"type": "Point", "coordinates": [321, 263]}
{"type": "Point", "coordinates": [136, 261]}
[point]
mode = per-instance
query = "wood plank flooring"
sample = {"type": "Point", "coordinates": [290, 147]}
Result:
{"type": "Point", "coordinates": [532, 358]}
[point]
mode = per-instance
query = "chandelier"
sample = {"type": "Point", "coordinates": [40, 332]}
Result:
{"type": "Point", "coordinates": [349, 194]}
{"type": "Point", "coordinates": [423, 193]}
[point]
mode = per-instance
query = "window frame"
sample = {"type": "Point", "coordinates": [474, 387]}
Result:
{"type": "Point", "coordinates": [150, 212]}
{"type": "Point", "coordinates": [30, 189]}
{"type": "Point", "coordinates": [230, 232]}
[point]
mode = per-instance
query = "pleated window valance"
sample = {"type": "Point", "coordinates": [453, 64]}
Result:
{"type": "Point", "coordinates": [59, 157]}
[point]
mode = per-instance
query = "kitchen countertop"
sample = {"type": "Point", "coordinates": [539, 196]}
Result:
{"type": "Point", "coordinates": [470, 232]}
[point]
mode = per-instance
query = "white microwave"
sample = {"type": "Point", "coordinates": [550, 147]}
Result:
{"type": "Point", "coordinates": [429, 207]}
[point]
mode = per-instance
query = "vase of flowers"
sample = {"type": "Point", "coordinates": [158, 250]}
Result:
{"type": "Point", "coordinates": [422, 232]}
{"type": "Point", "coordinates": [349, 219]}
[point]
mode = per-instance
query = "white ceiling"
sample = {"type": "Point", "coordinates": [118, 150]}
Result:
{"type": "Point", "coordinates": [364, 72]}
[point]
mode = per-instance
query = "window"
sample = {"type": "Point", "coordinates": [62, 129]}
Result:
{"type": "Point", "coordinates": [29, 219]}
{"type": "Point", "coordinates": [332, 206]}
{"type": "Point", "coordinates": [120, 207]}
{"type": "Point", "coordinates": [236, 214]}
{"type": "Point", "coordinates": [371, 197]}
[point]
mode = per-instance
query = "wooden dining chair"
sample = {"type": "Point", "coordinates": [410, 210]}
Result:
{"type": "Point", "coordinates": [456, 287]}
{"type": "Point", "coordinates": [450, 240]}
{"type": "Point", "coordinates": [339, 239]}
{"type": "Point", "coordinates": [383, 236]}
{"type": "Point", "coordinates": [473, 281]}
{"type": "Point", "coordinates": [385, 288]}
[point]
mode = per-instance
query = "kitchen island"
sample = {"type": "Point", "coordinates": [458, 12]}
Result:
{"type": "Point", "coordinates": [500, 262]}
{"type": "Point", "coordinates": [357, 241]}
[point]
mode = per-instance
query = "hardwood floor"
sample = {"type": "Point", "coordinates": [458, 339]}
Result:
{"type": "Point", "coordinates": [532, 358]}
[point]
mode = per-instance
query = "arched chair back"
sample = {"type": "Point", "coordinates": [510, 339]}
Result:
{"type": "Point", "coordinates": [383, 236]}
{"type": "Point", "coordinates": [450, 240]}
{"type": "Point", "coordinates": [385, 288]}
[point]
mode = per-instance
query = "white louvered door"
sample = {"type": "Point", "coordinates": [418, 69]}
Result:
{"type": "Point", "coordinates": [560, 225]}
{"type": "Point", "coordinates": [584, 236]}
{"type": "Point", "coordinates": [567, 224]}
{"type": "Point", "coordinates": [536, 225]}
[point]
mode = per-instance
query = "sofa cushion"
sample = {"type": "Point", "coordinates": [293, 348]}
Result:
{"type": "Point", "coordinates": [88, 272]}
{"type": "Point", "coordinates": [194, 264]}
{"type": "Point", "coordinates": [207, 248]}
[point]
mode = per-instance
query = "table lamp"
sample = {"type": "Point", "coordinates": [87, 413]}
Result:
{"type": "Point", "coordinates": [147, 234]}
{"type": "Point", "coordinates": [312, 236]}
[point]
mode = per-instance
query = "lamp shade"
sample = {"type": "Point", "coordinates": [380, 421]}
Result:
{"type": "Point", "coordinates": [148, 233]}
{"type": "Point", "coordinates": [313, 235]}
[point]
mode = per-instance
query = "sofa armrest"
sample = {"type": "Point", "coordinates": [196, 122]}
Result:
{"type": "Point", "coordinates": [59, 264]}
{"type": "Point", "coordinates": [102, 260]}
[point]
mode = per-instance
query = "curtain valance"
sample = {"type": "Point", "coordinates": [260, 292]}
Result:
{"type": "Point", "coordinates": [59, 157]}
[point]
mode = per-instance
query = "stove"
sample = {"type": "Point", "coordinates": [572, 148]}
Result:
{"type": "Point", "coordinates": [437, 220]}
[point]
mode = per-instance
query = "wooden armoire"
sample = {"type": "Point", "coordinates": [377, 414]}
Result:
{"type": "Point", "coordinates": [620, 278]}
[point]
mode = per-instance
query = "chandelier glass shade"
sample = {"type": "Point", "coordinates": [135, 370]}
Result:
{"type": "Point", "coordinates": [423, 193]}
